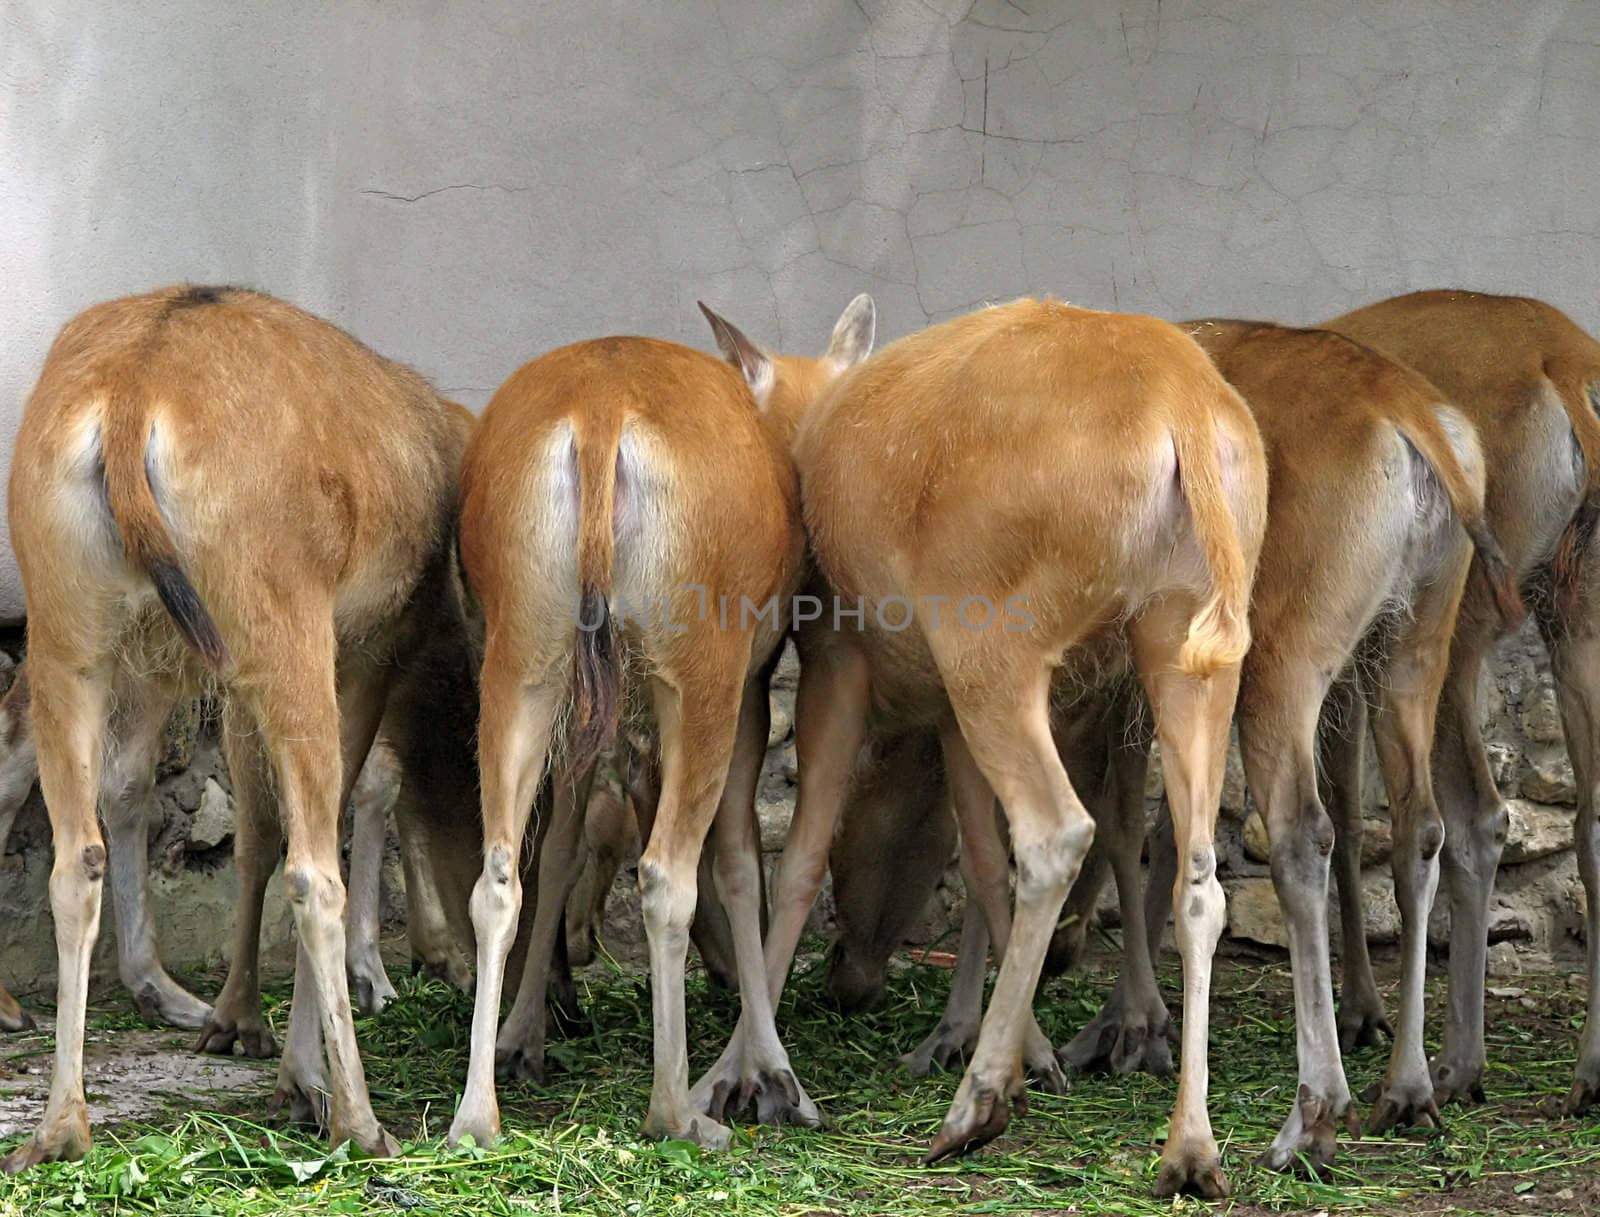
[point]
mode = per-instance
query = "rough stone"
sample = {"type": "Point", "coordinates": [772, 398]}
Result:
{"type": "Point", "coordinates": [1504, 960]}
{"type": "Point", "coordinates": [1509, 922]}
{"type": "Point", "coordinates": [214, 822]}
{"type": "Point", "coordinates": [781, 706]}
{"type": "Point", "coordinates": [1549, 779]}
{"type": "Point", "coordinates": [1541, 717]}
{"type": "Point", "coordinates": [1376, 840]}
{"type": "Point", "coordinates": [773, 815]}
{"type": "Point", "coordinates": [1535, 830]}
{"type": "Point", "coordinates": [1253, 912]}
{"type": "Point", "coordinates": [1505, 763]}
{"type": "Point", "coordinates": [1257, 844]}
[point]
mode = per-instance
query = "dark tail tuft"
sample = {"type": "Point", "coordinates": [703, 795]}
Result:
{"type": "Point", "coordinates": [1568, 567]}
{"type": "Point", "coordinates": [131, 496]}
{"type": "Point", "coordinates": [597, 682]}
{"type": "Point", "coordinates": [1501, 578]}
{"type": "Point", "coordinates": [182, 602]}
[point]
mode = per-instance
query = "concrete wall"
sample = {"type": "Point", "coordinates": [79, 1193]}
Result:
{"type": "Point", "coordinates": [464, 185]}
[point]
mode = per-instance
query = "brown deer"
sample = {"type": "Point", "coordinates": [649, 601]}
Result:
{"type": "Point", "coordinates": [899, 807]}
{"type": "Point", "coordinates": [1089, 484]}
{"type": "Point", "coordinates": [1528, 378]}
{"type": "Point", "coordinates": [1102, 737]}
{"type": "Point", "coordinates": [212, 486]}
{"type": "Point", "coordinates": [630, 526]}
{"type": "Point", "coordinates": [1374, 507]}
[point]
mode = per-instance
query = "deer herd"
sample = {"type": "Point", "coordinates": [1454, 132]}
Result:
{"type": "Point", "coordinates": [1013, 551]}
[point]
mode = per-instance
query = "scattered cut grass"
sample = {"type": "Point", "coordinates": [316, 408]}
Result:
{"type": "Point", "coordinates": [572, 1145]}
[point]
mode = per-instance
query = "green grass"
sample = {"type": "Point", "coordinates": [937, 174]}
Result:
{"type": "Point", "coordinates": [572, 1145]}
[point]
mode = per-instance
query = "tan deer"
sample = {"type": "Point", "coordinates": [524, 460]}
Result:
{"type": "Point", "coordinates": [1529, 380]}
{"type": "Point", "coordinates": [1375, 509]}
{"type": "Point", "coordinates": [1375, 504]}
{"type": "Point", "coordinates": [210, 485]}
{"type": "Point", "coordinates": [1017, 491]}
{"type": "Point", "coordinates": [630, 526]}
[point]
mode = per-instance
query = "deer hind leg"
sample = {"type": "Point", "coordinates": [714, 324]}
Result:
{"type": "Point", "coordinates": [957, 1032]}
{"type": "Point", "coordinates": [710, 932]}
{"type": "Point", "coordinates": [127, 793]}
{"type": "Point", "coordinates": [1069, 945]}
{"type": "Point", "coordinates": [515, 722]}
{"type": "Point", "coordinates": [1475, 822]}
{"type": "Point", "coordinates": [519, 1049]}
{"type": "Point", "coordinates": [986, 872]}
{"type": "Point", "coordinates": [1131, 1033]}
{"type": "Point", "coordinates": [257, 841]}
{"type": "Point", "coordinates": [699, 723]}
{"type": "Point", "coordinates": [754, 1071]}
{"type": "Point", "coordinates": [607, 836]}
{"type": "Point", "coordinates": [19, 770]}
{"type": "Point", "coordinates": [316, 751]}
{"type": "Point", "coordinates": [1403, 726]}
{"type": "Point", "coordinates": [1343, 737]}
{"type": "Point", "coordinates": [1192, 716]}
{"type": "Point", "coordinates": [370, 801]}
{"type": "Point", "coordinates": [1006, 743]}
{"type": "Point", "coordinates": [1277, 733]}
{"type": "Point", "coordinates": [830, 726]}
{"type": "Point", "coordinates": [1575, 662]}
{"type": "Point", "coordinates": [71, 703]}
{"type": "Point", "coordinates": [434, 948]}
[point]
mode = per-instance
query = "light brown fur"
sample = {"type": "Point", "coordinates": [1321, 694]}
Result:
{"type": "Point", "coordinates": [287, 491]}
{"type": "Point", "coordinates": [1335, 586]}
{"type": "Point", "coordinates": [1098, 467]}
{"type": "Point", "coordinates": [1529, 380]}
{"type": "Point", "coordinates": [607, 480]}
{"type": "Point", "coordinates": [1376, 501]}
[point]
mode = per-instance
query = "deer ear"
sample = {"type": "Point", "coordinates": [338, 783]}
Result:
{"type": "Point", "coordinates": [853, 333]}
{"type": "Point", "coordinates": [743, 354]}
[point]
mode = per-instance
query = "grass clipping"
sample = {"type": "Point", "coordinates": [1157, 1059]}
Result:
{"type": "Point", "coordinates": [572, 1146]}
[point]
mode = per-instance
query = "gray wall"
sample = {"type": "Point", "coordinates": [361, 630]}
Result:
{"type": "Point", "coordinates": [463, 185]}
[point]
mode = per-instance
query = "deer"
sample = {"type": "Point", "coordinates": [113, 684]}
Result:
{"type": "Point", "coordinates": [619, 568]}
{"type": "Point", "coordinates": [1092, 482]}
{"type": "Point", "coordinates": [1528, 378]}
{"type": "Point", "coordinates": [211, 487]}
{"type": "Point", "coordinates": [1375, 511]}
{"type": "Point", "coordinates": [899, 807]}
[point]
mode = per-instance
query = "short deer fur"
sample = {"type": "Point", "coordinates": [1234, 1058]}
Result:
{"type": "Point", "coordinates": [630, 526]}
{"type": "Point", "coordinates": [1375, 511]}
{"type": "Point", "coordinates": [1084, 480]}
{"type": "Point", "coordinates": [1528, 378]}
{"type": "Point", "coordinates": [211, 485]}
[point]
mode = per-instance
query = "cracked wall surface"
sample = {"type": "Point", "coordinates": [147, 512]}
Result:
{"type": "Point", "coordinates": [465, 186]}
